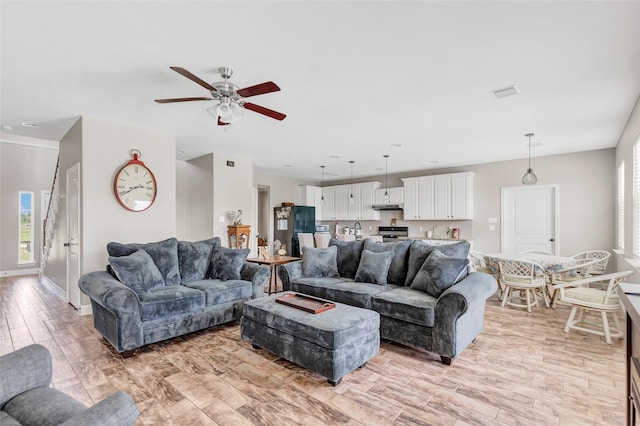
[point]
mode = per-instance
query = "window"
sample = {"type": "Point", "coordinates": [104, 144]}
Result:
{"type": "Point", "coordinates": [25, 228]}
{"type": "Point", "coordinates": [621, 206]}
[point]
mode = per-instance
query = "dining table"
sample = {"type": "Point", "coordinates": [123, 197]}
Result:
{"type": "Point", "coordinates": [549, 263]}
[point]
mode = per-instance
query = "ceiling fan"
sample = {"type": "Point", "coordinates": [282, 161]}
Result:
{"type": "Point", "coordinates": [231, 99]}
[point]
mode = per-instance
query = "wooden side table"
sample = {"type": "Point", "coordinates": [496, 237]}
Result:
{"type": "Point", "coordinates": [272, 262]}
{"type": "Point", "coordinates": [239, 236]}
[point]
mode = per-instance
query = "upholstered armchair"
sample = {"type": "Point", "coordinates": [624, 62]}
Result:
{"type": "Point", "coordinates": [26, 398]}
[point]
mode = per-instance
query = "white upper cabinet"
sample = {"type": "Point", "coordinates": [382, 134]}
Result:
{"type": "Point", "coordinates": [439, 197]}
{"type": "Point", "coordinates": [418, 198]}
{"type": "Point", "coordinates": [310, 196]}
{"type": "Point", "coordinates": [396, 195]}
{"type": "Point", "coordinates": [363, 200]}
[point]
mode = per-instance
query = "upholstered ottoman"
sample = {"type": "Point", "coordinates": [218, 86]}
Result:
{"type": "Point", "coordinates": [330, 343]}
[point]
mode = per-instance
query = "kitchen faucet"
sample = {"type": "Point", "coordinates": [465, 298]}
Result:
{"type": "Point", "coordinates": [357, 227]}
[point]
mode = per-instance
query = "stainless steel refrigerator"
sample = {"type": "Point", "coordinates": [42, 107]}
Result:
{"type": "Point", "coordinates": [289, 221]}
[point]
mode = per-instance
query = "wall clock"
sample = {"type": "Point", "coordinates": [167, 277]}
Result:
{"type": "Point", "coordinates": [134, 185]}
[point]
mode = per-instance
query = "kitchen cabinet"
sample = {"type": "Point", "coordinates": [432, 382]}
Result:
{"type": "Point", "coordinates": [311, 196]}
{"type": "Point", "coordinates": [396, 195]}
{"type": "Point", "coordinates": [364, 197]}
{"type": "Point", "coordinates": [439, 197]}
{"type": "Point", "coordinates": [418, 198]}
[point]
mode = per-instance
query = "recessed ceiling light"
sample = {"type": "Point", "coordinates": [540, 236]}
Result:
{"type": "Point", "coordinates": [396, 145]}
{"type": "Point", "coordinates": [7, 127]}
{"type": "Point", "coordinates": [504, 92]}
{"type": "Point", "coordinates": [180, 151]}
{"type": "Point", "coordinates": [334, 156]}
{"type": "Point", "coordinates": [32, 125]}
{"type": "Point", "coordinates": [288, 165]}
{"type": "Point", "coordinates": [379, 168]}
{"type": "Point", "coordinates": [434, 161]}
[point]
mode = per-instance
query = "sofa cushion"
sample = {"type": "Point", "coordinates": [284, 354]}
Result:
{"type": "Point", "coordinates": [374, 267]}
{"type": "Point", "coordinates": [407, 305]}
{"type": "Point", "coordinates": [226, 263]}
{"type": "Point", "coordinates": [137, 271]}
{"type": "Point", "coordinates": [43, 406]}
{"type": "Point", "coordinates": [194, 258]}
{"type": "Point", "coordinates": [355, 293]}
{"type": "Point", "coordinates": [320, 262]}
{"type": "Point", "coordinates": [164, 254]}
{"type": "Point", "coordinates": [316, 286]}
{"type": "Point", "coordinates": [348, 256]}
{"type": "Point", "coordinates": [163, 302]}
{"type": "Point", "coordinates": [398, 268]}
{"type": "Point", "coordinates": [419, 252]}
{"type": "Point", "coordinates": [438, 273]}
{"type": "Point", "coordinates": [218, 291]}
{"type": "Point", "coordinates": [7, 420]}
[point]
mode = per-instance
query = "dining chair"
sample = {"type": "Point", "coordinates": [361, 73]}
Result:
{"type": "Point", "coordinates": [583, 298]}
{"type": "Point", "coordinates": [522, 276]}
{"type": "Point", "coordinates": [576, 272]}
{"type": "Point", "coordinates": [537, 252]}
{"type": "Point", "coordinates": [322, 239]}
{"type": "Point", "coordinates": [480, 263]}
{"type": "Point", "coordinates": [599, 267]}
{"type": "Point", "coordinates": [305, 239]}
{"type": "Point", "coordinates": [377, 238]}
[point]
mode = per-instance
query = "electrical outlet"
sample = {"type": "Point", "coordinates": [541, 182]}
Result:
{"type": "Point", "coordinates": [492, 227]}
{"type": "Point", "coordinates": [421, 229]}
{"type": "Point", "coordinates": [370, 228]}
{"type": "Point", "coordinates": [221, 219]}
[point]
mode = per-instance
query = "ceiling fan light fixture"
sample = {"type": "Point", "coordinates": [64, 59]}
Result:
{"type": "Point", "coordinates": [224, 111]}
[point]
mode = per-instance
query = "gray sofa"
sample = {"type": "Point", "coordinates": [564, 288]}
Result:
{"type": "Point", "coordinates": [156, 291]}
{"type": "Point", "coordinates": [425, 295]}
{"type": "Point", "coordinates": [27, 399]}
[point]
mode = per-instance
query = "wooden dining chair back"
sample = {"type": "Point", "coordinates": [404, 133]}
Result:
{"type": "Point", "coordinates": [322, 239]}
{"type": "Point", "coordinates": [602, 256]}
{"type": "Point", "coordinates": [537, 252]}
{"type": "Point", "coordinates": [583, 297]}
{"type": "Point", "coordinates": [479, 262]}
{"type": "Point", "coordinates": [305, 239]}
{"type": "Point", "coordinates": [525, 278]}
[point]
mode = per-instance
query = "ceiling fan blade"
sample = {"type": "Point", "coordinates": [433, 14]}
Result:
{"type": "Point", "coordinates": [166, 101]}
{"type": "Point", "coordinates": [264, 111]}
{"type": "Point", "coordinates": [258, 89]}
{"type": "Point", "coordinates": [221, 123]}
{"type": "Point", "coordinates": [193, 78]}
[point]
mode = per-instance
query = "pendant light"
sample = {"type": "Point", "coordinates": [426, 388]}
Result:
{"type": "Point", "coordinates": [385, 198]}
{"type": "Point", "coordinates": [322, 187]}
{"type": "Point", "coordinates": [529, 178]}
{"type": "Point", "coordinates": [351, 197]}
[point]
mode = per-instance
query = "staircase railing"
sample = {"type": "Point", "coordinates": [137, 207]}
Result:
{"type": "Point", "coordinates": [49, 219]}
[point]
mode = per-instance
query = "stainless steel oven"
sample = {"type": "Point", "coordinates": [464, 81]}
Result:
{"type": "Point", "coordinates": [393, 233]}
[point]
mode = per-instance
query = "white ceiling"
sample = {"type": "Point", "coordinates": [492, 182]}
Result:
{"type": "Point", "coordinates": [356, 77]}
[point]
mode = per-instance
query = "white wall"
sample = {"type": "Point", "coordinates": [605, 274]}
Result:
{"type": "Point", "coordinates": [22, 168]}
{"type": "Point", "coordinates": [194, 203]}
{"type": "Point", "coordinates": [105, 149]}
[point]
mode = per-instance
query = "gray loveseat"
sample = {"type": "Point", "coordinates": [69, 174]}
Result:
{"type": "Point", "coordinates": [424, 294]}
{"type": "Point", "coordinates": [27, 399]}
{"type": "Point", "coordinates": [156, 291]}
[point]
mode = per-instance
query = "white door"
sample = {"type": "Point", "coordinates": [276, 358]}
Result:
{"type": "Point", "coordinates": [530, 219]}
{"type": "Point", "coordinates": [73, 235]}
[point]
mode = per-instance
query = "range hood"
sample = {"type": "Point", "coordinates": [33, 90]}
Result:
{"type": "Point", "coordinates": [395, 206]}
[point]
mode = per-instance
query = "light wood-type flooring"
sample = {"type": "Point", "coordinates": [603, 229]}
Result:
{"type": "Point", "coordinates": [522, 370]}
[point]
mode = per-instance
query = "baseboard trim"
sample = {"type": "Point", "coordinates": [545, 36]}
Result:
{"type": "Point", "coordinates": [53, 287]}
{"type": "Point", "coordinates": [85, 310]}
{"type": "Point", "coordinates": [18, 272]}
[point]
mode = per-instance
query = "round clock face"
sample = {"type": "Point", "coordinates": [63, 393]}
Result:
{"type": "Point", "coordinates": [135, 187]}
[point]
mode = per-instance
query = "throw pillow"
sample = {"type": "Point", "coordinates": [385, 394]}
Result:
{"type": "Point", "coordinates": [137, 271]}
{"type": "Point", "coordinates": [374, 267]}
{"type": "Point", "coordinates": [164, 255]}
{"type": "Point", "coordinates": [420, 251]}
{"type": "Point", "coordinates": [226, 263]}
{"type": "Point", "coordinates": [348, 256]}
{"type": "Point", "coordinates": [438, 273]}
{"type": "Point", "coordinates": [398, 268]}
{"type": "Point", "coordinates": [320, 262]}
{"type": "Point", "coordinates": [194, 258]}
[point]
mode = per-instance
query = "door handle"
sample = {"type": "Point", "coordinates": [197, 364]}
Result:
{"type": "Point", "coordinates": [66, 244]}
{"type": "Point", "coordinates": [552, 240]}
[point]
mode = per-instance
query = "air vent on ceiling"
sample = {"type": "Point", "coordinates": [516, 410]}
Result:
{"type": "Point", "coordinates": [504, 92]}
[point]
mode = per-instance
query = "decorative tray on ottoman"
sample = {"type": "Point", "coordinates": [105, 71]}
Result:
{"type": "Point", "coordinates": [305, 303]}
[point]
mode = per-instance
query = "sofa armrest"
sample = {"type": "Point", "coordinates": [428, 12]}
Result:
{"type": "Point", "coordinates": [258, 275]}
{"type": "Point", "coordinates": [289, 272]}
{"type": "Point", "coordinates": [116, 410]}
{"type": "Point", "coordinates": [459, 313]}
{"type": "Point", "coordinates": [22, 370]}
{"type": "Point", "coordinates": [123, 305]}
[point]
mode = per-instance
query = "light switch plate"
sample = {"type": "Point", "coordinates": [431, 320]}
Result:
{"type": "Point", "coordinates": [493, 220]}
{"type": "Point", "coordinates": [492, 227]}
{"type": "Point", "coordinates": [221, 219]}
